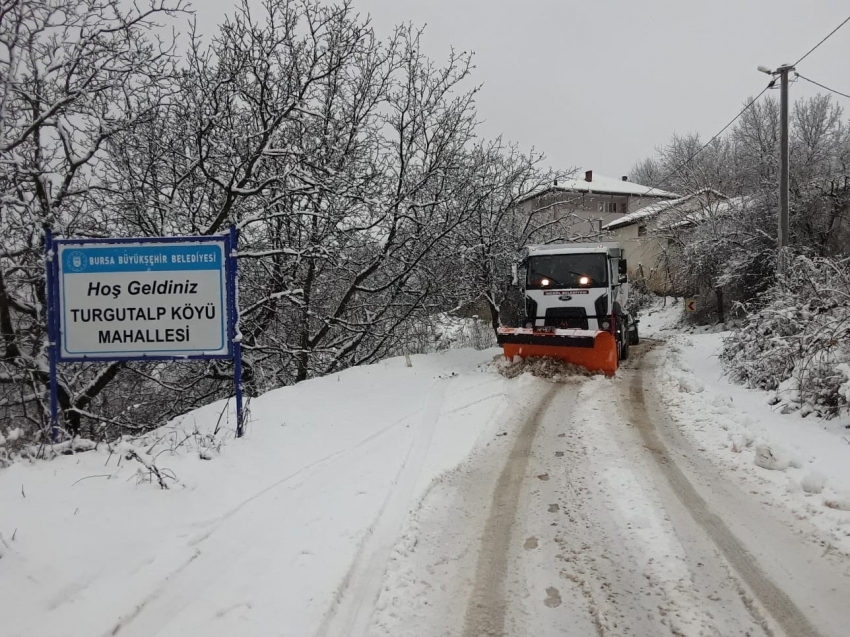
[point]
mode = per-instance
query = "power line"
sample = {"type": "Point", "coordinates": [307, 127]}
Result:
{"type": "Point", "coordinates": [823, 86]}
{"type": "Point", "coordinates": [831, 33]}
{"type": "Point", "coordinates": [709, 142]}
{"type": "Point", "coordinates": [753, 101]}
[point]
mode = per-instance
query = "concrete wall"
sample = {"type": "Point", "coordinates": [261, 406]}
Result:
{"type": "Point", "coordinates": [644, 254]}
{"type": "Point", "coordinates": [646, 251]}
{"type": "Point", "coordinates": [580, 212]}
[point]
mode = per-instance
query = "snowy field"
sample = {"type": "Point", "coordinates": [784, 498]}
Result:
{"type": "Point", "coordinates": [400, 499]}
{"type": "Point", "coordinates": [256, 540]}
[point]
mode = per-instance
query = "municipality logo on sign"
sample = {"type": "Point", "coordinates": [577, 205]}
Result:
{"type": "Point", "coordinates": [75, 261]}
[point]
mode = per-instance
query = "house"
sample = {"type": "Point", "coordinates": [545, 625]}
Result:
{"type": "Point", "coordinates": [645, 246]}
{"type": "Point", "coordinates": [583, 206]}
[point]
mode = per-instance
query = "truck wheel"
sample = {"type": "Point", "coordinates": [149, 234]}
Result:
{"type": "Point", "coordinates": [624, 339]}
{"type": "Point", "coordinates": [634, 339]}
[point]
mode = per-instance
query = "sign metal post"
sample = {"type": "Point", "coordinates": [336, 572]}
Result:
{"type": "Point", "coordinates": [235, 333]}
{"type": "Point", "coordinates": [52, 336]}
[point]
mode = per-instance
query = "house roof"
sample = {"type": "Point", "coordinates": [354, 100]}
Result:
{"type": "Point", "coordinates": [603, 185]}
{"type": "Point", "coordinates": [656, 209]}
{"type": "Point", "coordinates": [725, 208]}
{"type": "Point", "coordinates": [574, 248]}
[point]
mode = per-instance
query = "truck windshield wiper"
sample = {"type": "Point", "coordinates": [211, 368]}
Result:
{"type": "Point", "coordinates": [547, 276]}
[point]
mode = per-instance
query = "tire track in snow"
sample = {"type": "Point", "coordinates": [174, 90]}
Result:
{"type": "Point", "coordinates": [352, 615]}
{"type": "Point", "coordinates": [485, 615]}
{"type": "Point", "coordinates": [179, 592]}
{"type": "Point", "coordinates": [777, 603]}
{"type": "Point", "coordinates": [176, 601]}
{"type": "Point", "coordinates": [320, 462]}
{"type": "Point", "coordinates": [217, 522]}
{"type": "Point", "coordinates": [126, 619]}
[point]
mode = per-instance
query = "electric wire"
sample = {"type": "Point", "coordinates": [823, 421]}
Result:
{"type": "Point", "coordinates": [823, 86]}
{"type": "Point", "coordinates": [746, 108]}
{"type": "Point", "coordinates": [710, 141]}
{"type": "Point", "coordinates": [678, 168]}
{"type": "Point", "coordinates": [753, 101]}
{"type": "Point", "coordinates": [829, 35]}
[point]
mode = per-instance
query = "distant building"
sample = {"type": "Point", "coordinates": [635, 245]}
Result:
{"type": "Point", "coordinates": [645, 246]}
{"type": "Point", "coordinates": [586, 205]}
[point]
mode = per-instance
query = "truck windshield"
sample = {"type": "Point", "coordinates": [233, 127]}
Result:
{"type": "Point", "coordinates": [559, 271]}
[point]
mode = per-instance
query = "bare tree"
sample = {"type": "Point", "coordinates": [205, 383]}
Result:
{"type": "Point", "coordinates": [341, 158]}
{"type": "Point", "coordinates": [75, 74]}
{"type": "Point", "coordinates": [350, 165]}
{"type": "Point", "coordinates": [490, 242]}
{"type": "Point", "coordinates": [730, 247]}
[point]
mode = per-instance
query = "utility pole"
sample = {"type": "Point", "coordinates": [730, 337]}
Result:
{"type": "Point", "coordinates": [783, 237]}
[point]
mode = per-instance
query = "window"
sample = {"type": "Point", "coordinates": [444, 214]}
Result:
{"type": "Point", "coordinates": [608, 206]}
{"type": "Point", "coordinates": [562, 271]}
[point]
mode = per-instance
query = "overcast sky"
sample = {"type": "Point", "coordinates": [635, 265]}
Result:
{"type": "Point", "coordinates": [599, 83]}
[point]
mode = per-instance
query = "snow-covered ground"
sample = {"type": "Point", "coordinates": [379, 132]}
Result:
{"type": "Point", "coordinates": [441, 498]}
{"type": "Point", "coordinates": [258, 540]}
{"type": "Point", "coordinates": [793, 461]}
{"type": "Point", "coordinates": [663, 319]}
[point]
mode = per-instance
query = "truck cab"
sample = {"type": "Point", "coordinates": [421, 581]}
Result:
{"type": "Point", "coordinates": [580, 286]}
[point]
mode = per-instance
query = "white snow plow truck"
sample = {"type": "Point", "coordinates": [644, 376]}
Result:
{"type": "Point", "coordinates": [575, 299]}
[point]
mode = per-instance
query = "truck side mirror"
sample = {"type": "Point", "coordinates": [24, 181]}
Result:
{"type": "Point", "coordinates": [623, 271]}
{"type": "Point", "coordinates": [514, 275]}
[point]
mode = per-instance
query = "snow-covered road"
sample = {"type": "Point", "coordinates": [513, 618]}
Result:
{"type": "Point", "coordinates": [598, 517]}
{"type": "Point", "coordinates": [438, 499]}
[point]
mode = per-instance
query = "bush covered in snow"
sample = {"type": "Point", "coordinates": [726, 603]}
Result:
{"type": "Point", "coordinates": [444, 331]}
{"type": "Point", "coordinates": [798, 342]}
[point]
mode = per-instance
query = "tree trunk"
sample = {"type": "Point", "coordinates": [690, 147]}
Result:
{"type": "Point", "coordinates": [495, 319]}
{"type": "Point", "coordinates": [304, 354]}
{"type": "Point", "coordinates": [7, 331]}
{"type": "Point", "coordinates": [719, 294]}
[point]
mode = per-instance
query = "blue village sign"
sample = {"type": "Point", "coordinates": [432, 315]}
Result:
{"type": "Point", "coordinates": [151, 299]}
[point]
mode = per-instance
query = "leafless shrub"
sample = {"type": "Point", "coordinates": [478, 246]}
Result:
{"type": "Point", "coordinates": [797, 342]}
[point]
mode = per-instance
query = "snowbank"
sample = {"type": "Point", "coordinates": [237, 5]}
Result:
{"type": "Point", "coordinates": [661, 319]}
{"type": "Point", "coordinates": [252, 536]}
{"type": "Point", "coordinates": [802, 463]}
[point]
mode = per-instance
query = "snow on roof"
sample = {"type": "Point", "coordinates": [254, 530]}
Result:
{"type": "Point", "coordinates": [657, 208]}
{"type": "Point", "coordinates": [720, 209]}
{"type": "Point", "coordinates": [603, 185]}
{"type": "Point", "coordinates": [572, 248]}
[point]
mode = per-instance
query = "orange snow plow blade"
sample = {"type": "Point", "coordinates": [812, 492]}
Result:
{"type": "Point", "coordinates": [596, 351]}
